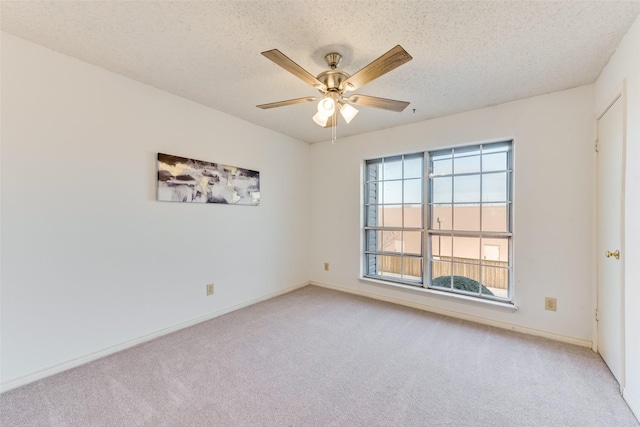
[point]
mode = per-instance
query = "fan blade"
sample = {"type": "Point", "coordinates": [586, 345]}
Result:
{"type": "Point", "coordinates": [287, 102]}
{"type": "Point", "coordinates": [283, 60]}
{"type": "Point", "coordinates": [375, 102]}
{"type": "Point", "coordinates": [387, 62]}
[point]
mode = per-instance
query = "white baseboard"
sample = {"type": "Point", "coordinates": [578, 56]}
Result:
{"type": "Point", "coordinates": [56, 369]}
{"type": "Point", "coordinates": [458, 315]}
{"type": "Point", "coordinates": [633, 401]}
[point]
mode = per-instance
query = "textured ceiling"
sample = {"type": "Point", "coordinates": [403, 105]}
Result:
{"type": "Point", "coordinates": [466, 54]}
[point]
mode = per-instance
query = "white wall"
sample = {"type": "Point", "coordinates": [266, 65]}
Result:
{"type": "Point", "coordinates": [89, 259]}
{"type": "Point", "coordinates": [553, 154]}
{"type": "Point", "coordinates": [624, 67]}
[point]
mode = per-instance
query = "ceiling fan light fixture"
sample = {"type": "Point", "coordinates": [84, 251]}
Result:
{"type": "Point", "coordinates": [348, 112]}
{"type": "Point", "coordinates": [320, 119]}
{"type": "Point", "coordinates": [326, 106]}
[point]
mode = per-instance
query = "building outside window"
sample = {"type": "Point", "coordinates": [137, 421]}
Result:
{"type": "Point", "coordinates": [468, 219]}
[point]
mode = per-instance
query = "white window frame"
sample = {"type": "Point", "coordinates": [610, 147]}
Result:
{"type": "Point", "coordinates": [453, 233]}
{"type": "Point", "coordinates": [428, 232]}
{"type": "Point", "coordinates": [373, 256]}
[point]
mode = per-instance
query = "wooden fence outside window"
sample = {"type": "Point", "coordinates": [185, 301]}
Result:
{"type": "Point", "coordinates": [491, 277]}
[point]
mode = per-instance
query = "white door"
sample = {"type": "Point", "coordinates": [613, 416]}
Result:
{"type": "Point", "coordinates": [609, 222]}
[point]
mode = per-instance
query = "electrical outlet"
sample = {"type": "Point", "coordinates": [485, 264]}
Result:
{"type": "Point", "coordinates": [550, 304]}
{"type": "Point", "coordinates": [326, 266]}
{"type": "Point", "coordinates": [210, 289]}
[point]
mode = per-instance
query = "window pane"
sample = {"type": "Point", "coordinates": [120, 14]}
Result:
{"type": "Point", "coordinates": [373, 215]}
{"type": "Point", "coordinates": [494, 162]}
{"type": "Point", "coordinates": [392, 192]}
{"type": "Point", "coordinates": [412, 269]}
{"type": "Point", "coordinates": [392, 216]}
{"type": "Point", "coordinates": [391, 241]}
{"type": "Point", "coordinates": [441, 155]}
{"type": "Point", "coordinates": [442, 189]}
{"type": "Point", "coordinates": [440, 247]}
{"type": "Point", "coordinates": [390, 266]}
{"type": "Point", "coordinates": [494, 217]}
{"type": "Point", "coordinates": [372, 240]}
{"type": "Point", "coordinates": [374, 170]}
{"type": "Point", "coordinates": [413, 165]}
{"type": "Point", "coordinates": [392, 168]}
{"type": "Point", "coordinates": [466, 151]}
{"type": "Point", "coordinates": [466, 164]}
{"type": "Point", "coordinates": [466, 217]}
{"type": "Point", "coordinates": [495, 251]}
{"type": "Point", "coordinates": [466, 249]}
{"type": "Point", "coordinates": [467, 189]}
{"type": "Point", "coordinates": [413, 191]}
{"type": "Point", "coordinates": [441, 217]}
{"type": "Point", "coordinates": [490, 253]}
{"type": "Point", "coordinates": [442, 167]}
{"type": "Point", "coordinates": [413, 216]}
{"type": "Point", "coordinates": [441, 274]}
{"type": "Point", "coordinates": [496, 147]}
{"type": "Point", "coordinates": [466, 277]}
{"type": "Point", "coordinates": [494, 187]}
{"type": "Point", "coordinates": [412, 242]}
{"type": "Point", "coordinates": [496, 281]}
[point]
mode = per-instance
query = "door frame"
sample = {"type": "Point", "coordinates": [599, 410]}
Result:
{"type": "Point", "coordinates": [622, 96]}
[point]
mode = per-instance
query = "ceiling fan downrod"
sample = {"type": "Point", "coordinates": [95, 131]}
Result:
{"type": "Point", "coordinates": [333, 59]}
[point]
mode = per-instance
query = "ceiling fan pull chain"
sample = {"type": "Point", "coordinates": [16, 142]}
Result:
{"type": "Point", "coordinates": [334, 128]}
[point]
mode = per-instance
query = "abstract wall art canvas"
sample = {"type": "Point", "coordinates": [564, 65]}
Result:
{"type": "Point", "coordinates": [196, 181]}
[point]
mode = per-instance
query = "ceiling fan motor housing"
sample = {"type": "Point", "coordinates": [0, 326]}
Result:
{"type": "Point", "coordinates": [333, 78]}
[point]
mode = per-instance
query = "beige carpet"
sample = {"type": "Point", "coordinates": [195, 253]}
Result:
{"type": "Point", "coordinates": [316, 357]}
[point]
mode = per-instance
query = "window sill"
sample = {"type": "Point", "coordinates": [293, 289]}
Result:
{"type": "Point", "coordinates": [507, 306]}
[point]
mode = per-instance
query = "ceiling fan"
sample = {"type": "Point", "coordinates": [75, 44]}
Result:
{"type": "Point", "coordinates": [334, 83]}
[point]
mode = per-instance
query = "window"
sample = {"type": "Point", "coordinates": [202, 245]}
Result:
{"type": "Point", "coordinates": [468, 229]}
{"type": "Point", "coordinates": [394, 215]}
{"type": "Point", "coordinates": [469, 232]}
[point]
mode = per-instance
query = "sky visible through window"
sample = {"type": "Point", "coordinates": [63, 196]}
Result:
{"type": "Point", "coordinates": [393, 191]}
{"type": "Point", "coordinates": [471, 175]}
{"type": "Point", "coordinates": [462, 170]}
